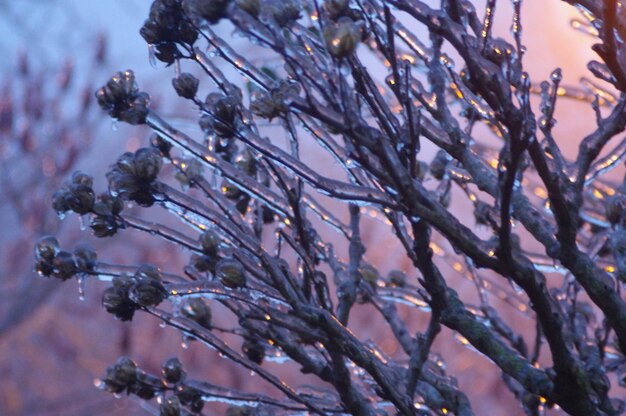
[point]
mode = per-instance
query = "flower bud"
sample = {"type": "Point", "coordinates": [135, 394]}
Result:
{"type": "Point", "coordinates": [148, 162]}
{"type": "Point", "coordinates": [336, 8]}
{"type": "Point", "coordinates": [239, 411]}
{"type": "Point", "coordinates": [197, 310]}
{"type": "Point", "coordinates": [122, 100]}
{"type": "Point", "coordinates": [397, 278]}
{"type": "Point", "coordinates": [170, 407]}
{"type": "Point", "coordinates": [186, 85]}
{"type": "Point", "coordinates": [80, 198]}
{"type": "Point", "coordinates": [172, 371]}
{"type": "Point", "coordinates": [342, 38]}
{"type": "Point", "coordinates": [616, 208]}
{"type": "Point", "coordinates": [46, 248]}
{"type": "Point", "coordinates": [369, 274]}
{"type": "Point", "coordinates": [85, 257]}
{"type": "Point", "coordinates": [254, 350]}
{"type": "Point", "coordinates": [120, 376]}
{"type": "Point", "coordinates": [210, 242]}
{"type": "Point", "coordinates": [148, 289]}
{"type": "Point", "coordinates": [59, 201]}
{"type": "Point", "coordinates": [231, 273]}
{"type": "Point", "coordinates": [203, 263]}
{"type": "Point", "coordinates": [115, 299]}
{"type": "Point", "coordinates": [252, 7]}
{"type": "Point", "coordinates": [439, 164]}
{"type": "Point", "coordinates": [103, 226]}
{"type": "Point", "coordinates": [64, 265]}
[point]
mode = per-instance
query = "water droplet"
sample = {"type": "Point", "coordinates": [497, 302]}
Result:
{"type": "Point", "coordinates": [81, 286]}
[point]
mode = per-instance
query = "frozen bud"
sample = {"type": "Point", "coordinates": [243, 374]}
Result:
{"type": "Point", "coordinates": [247, 163]}
{"type": "Point", "coordinates": [483, 213]}
{"type": "Point", "coordinates": [85, 256]}
{"type": "Point", "coordinates": [231, 273]}
{"type": "Point", "coordinates": [166, 52]}
{"type": "Point", "coordinates": [120, 376]}
{"type": "Point", "coordinates": [422, 169]}
{"type": "Point", "coordinates": [342, 37]}
{"type": "Point", "coordinates": [197, 310]}
{"type": "Point", "coordinates": [616, 208]}
{"type": "Point", "coordinates": [186, 85]}
{"type": "Point", "coordinates": [287, 14]}
{"type": "Point", "coordinates": [125, 163]}
{"type": "Point", "coordinates": [397, 278]}
{"type": "Point", "coordinates": [122, 100]}
{"type": "Point", "coordinates": [210, 10]}
{"type": "Point", "coordinates": [108, 204]}
{"type": "Point", "coordinates": [170, 407]}
{"type": "Point", "coordinates": [439, 164]}
{"type": "Point", "coordinates": [369, 274]}
{"type": "Point", "coordinates": [116, 301]}
{"type": "Point", "coordinates": [188, 395]}
{"type": "Point", "coordinates": [202, 263]}
{"type": "Point", "coordinates": [148, 289]}
{"type": "Point", "coordinates": [103, 226]}
{"type": "Point", "coordinates": [148, 163]}
{"type": "Point", "coordinates": [172, 370]}
{"type": "Point", "coordinates": [254, 350]}
{"type": "Point", "coordinates": [210, 241]}
{"type": "Point", "coordinates": [80, 198]}
{"type": "Point", "coordinates": [64, 265]}
{"type": "Point", "coordinates": [161, 144]}
{"type": "Point", "coordinates": [618, 245]}
{"type": "Point", "coordinates": [80, 178]}
{"type": "Point", "coordinates": [252, 7]}
{"type": "Point", "coordinates": [46, 248]}
{"type": "Point", "coordinates": [230, 191]}
{"type": "Point", "coordinates": [336, 8]}
{"type": "Point", "coordinates": [59, 201]}
{"type": "Point", "coordinates": [239, 411]}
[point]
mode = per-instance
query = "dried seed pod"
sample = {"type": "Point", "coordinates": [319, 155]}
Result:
{"type": "Point", "coordinates": [172, 371]}
{"type": "Point", "coordinates": [186, 85]}
{"type": "Point", "coordinates": [197, 310]}
{"type": "Point", "coordinates": [231, 273]}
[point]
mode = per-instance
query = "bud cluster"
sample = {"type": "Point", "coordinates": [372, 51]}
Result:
{"type": "Point", "coordinates": [122, 100]}
{"type": "Point", "coordinates": [51, 261]}
{"type": "Point", "coordinates": [133, 175]}
{"type": "Point", "coordinates": [129, 293]}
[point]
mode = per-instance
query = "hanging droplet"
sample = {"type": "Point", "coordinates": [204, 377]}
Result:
{"type": "Point", "coordinates": [81, 286]}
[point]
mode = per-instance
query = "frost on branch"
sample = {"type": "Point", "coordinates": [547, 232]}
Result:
{"type": "Point", "coordinates": [277, 237]}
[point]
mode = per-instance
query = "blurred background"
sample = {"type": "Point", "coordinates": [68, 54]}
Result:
{"type": "Point", "coordinates": [53, 55]}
